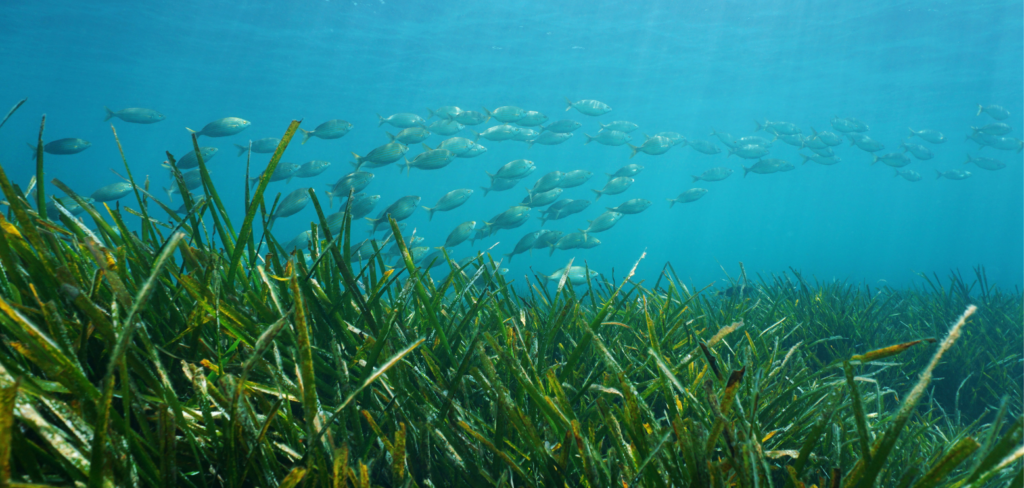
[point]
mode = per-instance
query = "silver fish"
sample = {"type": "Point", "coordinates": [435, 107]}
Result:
{"type": "Point", "coordinates": [382, 155]}
{"type": "Point", "coordinates": [588, 107]}
{"type": "Point", "coordinates": [778, 128]}
{"type": "Point", "coordinates": [192, 181]}
{"type": "Point", "coordinates": [994, 129]}
{"type": "Point", "coordinates": [70, 145]}
{"type": "Point", "coordinates": [866, 143]}
{"type": "Point", "coordinates": [953, 174]}
{"type": "Point", "coordinates": [460, 234]}
{"type": "Point", "coordinates": [449, 201]}
{"type": "Point", "coordinates": [985, 163]}
{"type": "Point", "coordinates": [362, 205]}
{"type": "Point", "coordinates": [311, 169]}
{"type": "Point", "coordinates": [412, 135]}
{"type": "Point", "coordinates": [691, 195]}
{"type": "Point", "coordinates": [189, 161]}
{"type": "Point", "coordinates": [500, 184]}
{"type": "Point", "coordinates": [654, 146]}
{"type": "Point", "coordinates": [562, 126]}
{"type": "Point", "coordinates": [825, 160]}
{"type": "Point", "coordinates": [714, 174]}
{"type": "Point", "coordinates": [932, 136]}
{"type": "Point", "coordinates": [919, 151]}
{"type": "Point", "coordinates": [332, 129]}
{"type": "Point", "coordinates": [614, 186]}
{"type": "Point", "coordinates": [767, 166]}
{"type": "Point", "coordinates": [525, 244]}
{"type": "Point", "coordinates": [577, 275]}
{"type": "Point", "coordinates": [725, 137]}
{"type": "Point", "coordinates": [299, 242]}
{"type": "Point", "coordinates": [603, 222]}
{"type": "Point", "coordinates": [896, 160]}
{"type": "Point", "coordinates": [532, 119]}
{"type": "Point", "coordinates": [827, 137]}
{"type": "Point", "coordinates": [474, 151]}
{"type": "Point", "coordinates": [706, 147]}
{"type": "Point", "coordinates": [849, 125]}
{"type": "Point", "coordinates": [447, 127]}
{"type": "Point", "coordinates": [292, 204]}
{"type": "Point", "coordinates": [506, 114]}
{"type": "Point", "coordinates": [609, 137]}
{"type": "Point", "coordinates": [402, 121]}
{"type": "Point", "coordinates": [514, 169]}
{"type": "Point", "coordinates": [631, 207]}
{"type": "Point", "coordinates": [621, 126]}
{"type": "Point", "coordinates": [430, 159]}
{"type": "Point", "coordinates": [534, 200]}
{"type": "Point", "coordinates": [471, 117]}
{"type": "Point", "coordinates": [547, 238]}
{"type": "Point", "coordinates": [135, 115]}
{"type": "Point", "coordinates": [283, 171]}
{"type": "Point", "coordinates": [446, 112]}
{"type": "Point", "coordinates": [353, 182]}
{"type": "Point", "coordinates": [497, 133]}
{"type": "Point", "coordinates": [750, 151]}
{"type": "Point", "coordinates": [266, 145]}
{"type": "Point", "coordinates": [908, 174]}
{"type": "Point", "coordinates": [994, 111]}
{"type": "Point", "coordinates": [402, 209]}
{"type": "Point", "coordinates": [112, 192]}
{"type": "Point", "coordinates": [550, 139]}
{"type": "Point", "coordinates": [563, 208]}
{"type": "Point", "coordinates": [228, 126]}
{"type": "Point", "coordinates": [547, 182]}
{"type": "Point", "coordinates": [457, 145]}
{"type": "Point", "coordinates": [627, 170]}
{"type": "Point", "coordinates": [525, 135]}
{"type": "Point", "coordinates": [574, 178]}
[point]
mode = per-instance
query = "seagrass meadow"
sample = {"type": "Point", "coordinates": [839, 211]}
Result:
{"type": "Point", "coordinates": [137, 352]}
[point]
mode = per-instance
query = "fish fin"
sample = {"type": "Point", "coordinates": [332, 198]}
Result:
{"type": "Point", "coordinates": [938, 174]}
{"type": "Point", "coordinates": [671, 202]}
{"type": "Point", "coordinates": [169, 192]}
{"type": "Point", "coordinates": [745, 170]}
{"type": "Point", "coordinates": [486, 190]}
{"type": "Point", "coordinates": [488, 112]}
{"type": "Point", "coordinates": [382, 120]}
{"type": "Point", "coordinates": [806, 158]}
{"type": "Point", "coordinates": [542, 128]}
{"type": "Point", "coordinates": [431, 112]}
{"type": "Point", "coordinates": [110, 114]}
{"type": "Point", "coordinates": [550, 253]}
{"type": "Point", "coordinates": [509, 256]}
{"type": "Point", "coordinates": [980, 110]}
{"type": "Point", "coordinates": [529, 144]}
{"type": "Point", "coordinates": [427, 147]}
{"type": "Point", "coordinates": [390, 136]}
{"type": "Point", "coordinates": [874, 160]}
{"type": "Point", "coordinates": [814, 132]}
{"type": "Point", "coordinates": [695, 178]}
{"type": "Point", "coordinates": [192, 131]}
{"type": "Point", "coordinates": [897, 172]}
{"type": "Point", "coordinates": [477, 138]}
{"type": "Point", "coordinates": [912, 133]}
{"type": "Point", "coordinates": [241, 149]}
{"type": "Point", "coordinates": [306, 135]}
{"type": "Point", "coordinates": [634, 148]}
{"type": "Point", "coordinates": [598, 194]}
{"type": "Point", "coordinates": [428, 209]}
{"type": "Point", "coordinates": [758, 124]}
{"type": "Point", "coordinates": [589, 138]}
{"type": "Point", "coordinates": [731, 152]}
{"type": "Point", "coordinates": [568, 102]}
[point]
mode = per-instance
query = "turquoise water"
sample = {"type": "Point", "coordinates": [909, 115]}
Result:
{"type": "Point", "coordinates": [666, 66]}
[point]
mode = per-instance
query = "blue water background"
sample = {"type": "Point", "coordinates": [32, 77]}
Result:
{"type": "Point", "coordinates": [665, 65]}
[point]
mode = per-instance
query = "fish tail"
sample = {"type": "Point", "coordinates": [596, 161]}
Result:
{"type": "Point", "coordinates": [671, 202]}
{"type": "Point", "coordinates": [758, 124]}
{"type": "Point", "coordinates": [912, 133]}
{"type": "Point", "coordinates": [382, 120]}
{"type": "Point", "coordinates": [598, 194]}
{"type": "Point", "coordinates": [814, 132]}
{"type": "Point", "coordinates": [806, 158]}
{"type": "Point", "coordinates": [938, 174]}
{"type": "Point", "coordinates": [695, 178]}
{"type": "Point", "coordinates": [509, 256]}
{"type": "Point", "coordinates": [477, 138]}
{"type": "Point", "coordinates": [897, 172]}
{"type": "Point", "coordinates": [407, 165]}
{"type": "Point", "coordinates": [306, 134]}
{"type": "Point", "coordinates": [192, 132]}
{"type": "Point", "coordinates": [551, 253]}
{"type": "Point", "coordinates": [430, 210]}
{"type": "Point", "coordinates": [568, 102]}
{"type": "Point", "coordinates": [431, 112]}
{"type": "Point", "coordinates": [241, 149]}
{"type": "Point", "coordinates": [169, 191]}
{"type": "Point", "coordinates": [589, 138]}
{"type": "Point", "coordinates": [731, 152]}
{"type": "Point", "coordinates": [745, 170]}
{"type": "Point", "coordinates": [529, 144]}
{"type": "Point", "coordinates": [981, 109]}
{"type": "Point", "coordinates": [874, 160]}
{"type": "Point", "coordinates": [634, 148]}
{"type": "Point", "coordinates": [488, 112]}
{"type": "Point", "coordinates": [969, 159]}
{"type": "Point", "coordinates": [486, 190]}
{"type": "Point", "coordinates": [110, 114]}
{"type": "Point", "coordinates": [390, 136]}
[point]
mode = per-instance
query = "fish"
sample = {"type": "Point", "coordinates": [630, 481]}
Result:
{"type": "Point", "coordinates": [778, 128]}
{"type": "Point", "coordinates": [534, 200]}
{"type": "Point", "coordinates": [70, 205]}
{"type": "Point", "coordinates": [509, 219]}
{"type": "Point", "coordinates": [300, 242]}
{"type": "Point", "coordinates": [562, 209]}
{"type": "Point", "coordinates": [111, 192]}
{"type": "Point", "coordinates": [725, 137]}
{"type": "Point", "coordinates": [825, 151]}
{"type": "Point", "coordinates": [550, 139]}
{"type": "Point", "coordinates": [525, 135]}
{"type": "Point", "coordinates": [654, 146]}
{"type": "Point", "coordinates": [189, 161]}
{"type": "Point", "coordinates": [135, 115]}
{"type": "Point", "coordinates": [609, 137]}
{"type": "Point", "coordinates": [547, 238]}
{"type": "Point", "coordinates": [614, 186]}
{"type": "Point", "coordinates": [814, 142]}
{"type": "Point", "coordinates": [69, 145]}
{"type": "Point", "coordinates": [428, 260]}
{"type": "Point", "coordinates": [994, 129]}
{"type": "Point", "coordinates": [471, 117]}
{"type": "Point", "coordinates": [631, 207]}
{"type": "Point", "coordinates": [932, 136]}
{"type": "Point", "coordinates": [267, 145]}
{"type": "Point", "coordinates": [825, 160]}
{"type": "Point", "coordinates": [353, 182]}
{"type": "Point", "coordinates": [848, 125]}
{"type": "Point", "coordinates": [796, 140]}
{"type": "Point", "coordinates": [603, 222]}
{"type": "Point", "coordinates": [497, 133]}
{"type": "Point", "coordinates": [588, 107]}
{"type": "Point", "coordinates": [1002, 143]}
{"type": "Point", "coordinates": [525, 243]}
{"type": "Point", "coordinates": [450, 201]}
{"type": "Point", "coordinates": [402, 209]}
{"type": "Point", "coordinates": [753, 140]}
{"type": "Point", "coordinates": [896, 160]}
{"type": "Point", "coordinates": [919, 151]}
{"type": "Point", "coordinates": [750, 151]}
{"type": "Point", "coordinates": [574, 178]}
{"type": "Point", "coordinates": [518, 168]}
{"type": "Point", "coordinates": [547, 182]}
{"type": "Point", "coordinates": [985, 163]}
{"type": "Point", "coordinates": [908, 174]}
{"type": "Point", "coordinates": [827, 137]}
{"type": "Point", "coordinates": [364, 250]}
{"type": "Point", "coordinates": [460, 234]}
{"type": "Point", "coordinates": [620, 126]}
{"type": "Point", "coordinates": [714, 174]}
{"type": "Point", "coordinates": [402, 120]}
{"type": "Point", "coordinates": [362, 205]}
{"type": "Point", "coordinates": [691, 195]}
{"type": "Point", "coordinates": [767, 166]}
{"type": "Point", "coordinates": [573, 240]}
{"type": "Point", "coordinates": [446, 112]}
{"type": "Point", "coordinates": [531, 118]}
{"type": "Point", "coordinates": [578, 275]}
{"type": "Point", "coordinates": [382, 155]}
{"type": "Point", "coordinates": [562, 126]}
{"type": "Point", "coordinates": [953, 174]}
{"type": "Point", "coordinates": [500, 184]}
{"type": "Point", "coordinates": [283, 171]}
{"type": "Point", "coordinates": [332, 129]}
{"type": "Point", "coordinates": [192, 181]}
{"type": "Point", "coordinates": [292, 204]}
{"type": "Point", "coordinates": [506, 114]}
{"type": "Point", "coordinates": [675, 137]}
{"type": "Point", "coordinates": [430, 159]}
{"type": "Point", "coordinates": [627, 170]}
{"type": "Point", "coordinates": [445, 127]}
{"type": "Point", "coordinates": [706, 147]}
{"type": "Point", "coordinates": [457, 145]}
{"type": "Point", "coordinates": [865, 143]}
{"type": "Point", "coordinates": [311, 169]}
{"type": "Point", "coordinates": [994, 111]}
{"type": "Point", "coordinates": [228, 126]}
{"type": "Point", "coordinates": [412, 135]}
